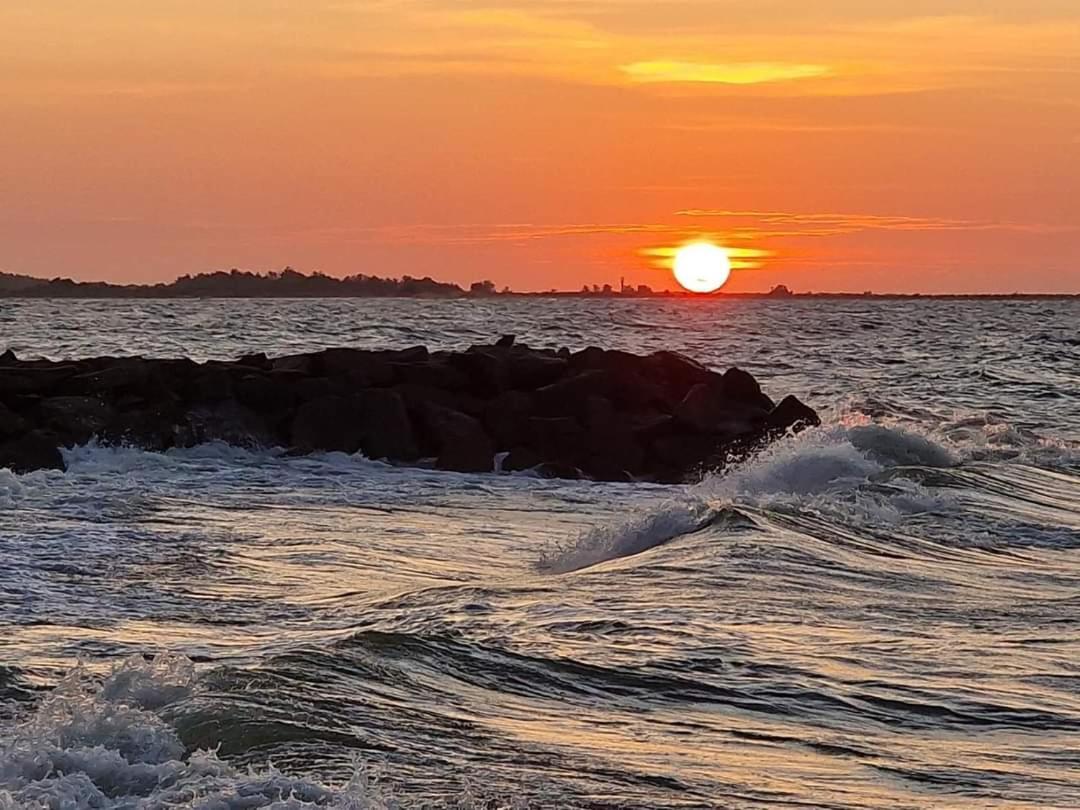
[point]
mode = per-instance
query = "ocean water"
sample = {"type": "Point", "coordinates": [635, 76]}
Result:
{"type": "Point", "coordinates": [883, 612]}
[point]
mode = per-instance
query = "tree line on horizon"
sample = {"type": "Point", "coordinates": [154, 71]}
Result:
{"type": "Point", "coordinates": [286, 283]}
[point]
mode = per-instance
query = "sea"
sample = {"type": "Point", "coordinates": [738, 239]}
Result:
{"type": "Point", "coordinates": [882, 612]}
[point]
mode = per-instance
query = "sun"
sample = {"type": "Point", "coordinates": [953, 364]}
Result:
{"type": "Point", "coordinates": [702, 267]}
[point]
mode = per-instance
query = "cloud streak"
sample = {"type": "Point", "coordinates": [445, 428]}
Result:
{"type": "Point", "coordinates": [735, 73]}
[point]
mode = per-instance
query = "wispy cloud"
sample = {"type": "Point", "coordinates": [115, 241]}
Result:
{"type": "Point", "coordinates": [788, 223]}
{"type": "Point", "coordinates": [737, 73]}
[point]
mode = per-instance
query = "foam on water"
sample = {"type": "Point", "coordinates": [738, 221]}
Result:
{"type": "Point", "coordinates": [829, 470]}
{"type": "Point", "coordinates": [101, 744]}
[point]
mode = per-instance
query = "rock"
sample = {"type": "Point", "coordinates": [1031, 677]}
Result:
{"type": "Point", "coordinates": [11, 423]}
{"type": "Point", "coordinates": [506, 418]}
{"type": "Point", "coordinates": [559, 438]}
{"type": "Point", "coordinates": [29, 380]}
{"type": "Point", "coordinates": [75, 419]}
{"type": "Point", "coordinates": [679, 457]}
{"type": "Point", "coordinates": [791, 414]}
{"type": "Point", "coordinates": [521, 458]}
{"type": "Point", "coordinates": [34, 451]}
{"type": "Point", "coordinates": [462, 443]}
{"type": "Point", "coordinates": [366, 367]}
{"type": "Point", "coordinates": [506, 341]}
{"type": "Point", "coordinates": [387, 432]}
{"type": "Point", "coordinates": [8, 357]}
{"type": "Point", "coordinates": [678, 373]}
{"type": "Point", "coordinates": [568, 395]}
{"type": "Point", "coordinates": [708, 408]}
{"type": "Point", "coordinates": [414, 354]}
{"type": "Point", "coordinates": [301, 363]}
{"type": "Point", "coordinates": [329, 424]}
{"type": "Point", "coordinates": [529, 371]}
{"type": "Point", "coordinates": [272, 393]}
{"type": "Point", "coordinates": [431, 373]}
{"type": "Point", "coordinates": [127, 374]}
{"type": "Point", "coordinates": [228, 422]}
{"type": "Point", "coordinates": [554, 469]}
{"type": "Point", "coordinates": [257, 360]}
{"type": "Point", "coordinates": [610, 415]}
{"type": "Point", "coordinates": [208, 383]}
{"type": "Point", "coordinates": [740, 386]}
{"type": "Point", "coordinates": [153, 429]}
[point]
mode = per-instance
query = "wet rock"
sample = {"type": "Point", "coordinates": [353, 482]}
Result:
{"type": "Point", "coordinates": [792, 414]}
{"type": "Point", "coordinates": [529, 371]}
{"type": "Point", "coordinates": [506, 341]}
{"type": "Point", "coordinates": [608, 415]}
{"type": "Point", "coordinates": [506, 418]}
{"type": "Point", "coordinates": [709, 408]}
{"type": "Point", "coordinates": [366, 368]}
{"type": "Point", "coordinates": [34, 451]}
{"type": "Point", "coordinates": [75, 419]}
{"type": "Point", "coordinates": [431, 373]}
{"type": "Point", "coordinates": [740, 386]}
{"type": "Point", "coordinates": [11, 423]}
{"type": "Point", "coordinates": [328, 424]}
{"type": "Point", "coordinates": [386, 431]}
{"type": "Point", "coordinates": [462, 443]}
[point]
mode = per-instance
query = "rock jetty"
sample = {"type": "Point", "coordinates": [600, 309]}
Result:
{"type": "Point", "coordinates": [606, 415]}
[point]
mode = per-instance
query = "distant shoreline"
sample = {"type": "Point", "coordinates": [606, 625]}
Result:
{"type": "Point", "coordinates": [289, 284]}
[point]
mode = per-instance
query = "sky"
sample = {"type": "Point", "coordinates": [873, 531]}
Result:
{"type": "Point", "coordinates": [838, 145]}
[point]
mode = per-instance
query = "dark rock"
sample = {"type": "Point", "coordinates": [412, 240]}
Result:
{"type": "Point", "coordinates": [555, 469]}
{"type": "Point", "coordinates": [226, 421]}
{"type": "Point", "coordinates": [521, 458]}
{"type": "Point", "coordinates": [387, 432]}
{"type": "Point", "coordinates": [461, 441]}
{"type": "Point", "coordinates": [506, 418]}
{"type": "Point", "coordinates": [34, 380]}
{"type": "Point", "coordinates": [414, 354]}
{"type": "Point", "coordinates": [126, 375]}
{"type": "Point", "coordinates": [34, 451]}
{"type": "Point", "coordinates": [11, 423]}
{"type": "Point", "coordinates": [8, 357]}
{"type": "Point", "coordinates": [432, 373]}
{"type": "Point", "coordinates": [609, 415]}
{"type": "Point", "coordinates": [741, 386]}
{"type": "Point", "coordinates": [302, 363]}
{"type": "Point", "coordinates": [154, 429]}
{"type": "Point", "coordinates": [678, 373]}
{"type": "Point", "coordinates": [486, 370]}
{"type": "Point", "coordinates": [331, 423]}
{"type": "Point", "coordinates": [208, 384]}
{"type": "Point", "coordinates": [257, 360]}
{"type": "Point", "coordinates": [75, 419]}
{"type": "Point", "coordinates": [506, 341]}
{"type": "Point", "coordinates": [559, 438]}
{"type": "Point", "coordinates": [791, 414]}
{"type": "Point", "coordinates": [531, 371]}
{"type": "Point", "coordinates": [272, 393]}
{"type": "Point", "coordinates": [708, 408]}
{"type": "Point", "coordinates": [680, 456]}
{"type": "Point", "coordinates": [367, 368]}
{"type": "Point", "coordinates": [567, 396]}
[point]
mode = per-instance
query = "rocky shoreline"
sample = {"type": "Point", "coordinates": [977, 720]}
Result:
{"type": "Point", "coordinates": [601, 414]}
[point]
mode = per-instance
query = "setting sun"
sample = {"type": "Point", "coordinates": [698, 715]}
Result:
{"type": "Point", "coordinates": [702, 267]}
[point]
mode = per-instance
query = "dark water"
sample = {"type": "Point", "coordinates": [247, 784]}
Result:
{"type": "Point", "coordinates": [883, 612]}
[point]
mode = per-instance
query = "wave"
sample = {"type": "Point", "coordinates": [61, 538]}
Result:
{"type": "Point", "coordinates": [856, 473]}
{"type": "Point", "coordinates": [103, 744]}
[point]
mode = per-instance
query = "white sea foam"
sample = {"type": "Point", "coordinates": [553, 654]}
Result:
{"type": "Point", "coordinates": [828, 470]}
{"type": "Point", "coordinates": [94, 745]}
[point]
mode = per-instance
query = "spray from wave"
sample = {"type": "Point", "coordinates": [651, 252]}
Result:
{"type": "Point", "coordinates": [102, 744]}
{"type": "Point", "coordinates": [845, 471]}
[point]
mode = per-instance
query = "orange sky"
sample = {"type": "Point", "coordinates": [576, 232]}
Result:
{"type": "Point", "coordinates": [891, 145]}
